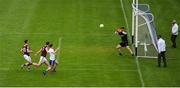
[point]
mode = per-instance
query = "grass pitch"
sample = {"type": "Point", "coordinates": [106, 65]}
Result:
{"type": "Point", "coordinates": [88, 56]}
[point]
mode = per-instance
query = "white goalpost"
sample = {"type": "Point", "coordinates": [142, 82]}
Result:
{"type": "Point", "coordinates": [144, 36]}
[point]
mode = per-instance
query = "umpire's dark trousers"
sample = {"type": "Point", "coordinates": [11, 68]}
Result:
{"type": "Point", "coordinates": [173, 39]}
{"type": "Point", "coordinates": [161, 56]}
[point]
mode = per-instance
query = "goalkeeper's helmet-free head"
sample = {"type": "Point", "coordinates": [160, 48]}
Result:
{"type": "Point", "coordinates": [120, 29]}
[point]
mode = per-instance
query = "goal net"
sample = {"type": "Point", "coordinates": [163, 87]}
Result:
{"type": "Point", "coordinates": [143, 31]}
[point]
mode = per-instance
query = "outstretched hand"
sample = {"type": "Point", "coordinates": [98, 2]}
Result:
{"type": "Point", "coordinates": [57, 49]}
{"type": "Point", "coordinates": [35, 54]}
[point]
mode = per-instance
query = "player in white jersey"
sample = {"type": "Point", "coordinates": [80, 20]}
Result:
{"type": "Point", "coordinates": [52, 58]}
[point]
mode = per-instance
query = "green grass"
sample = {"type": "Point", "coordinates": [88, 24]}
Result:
{"type": "Point", "coordinates": [88, 56]}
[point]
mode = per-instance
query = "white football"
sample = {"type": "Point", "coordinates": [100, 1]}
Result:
{"type": "Point", "coordinates": [101, 25]}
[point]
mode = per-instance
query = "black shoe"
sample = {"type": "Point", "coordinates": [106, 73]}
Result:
{"type": "Point", "coordinates": [28, 69]}
{"type": "Point", "coordinates": [23, 66]}
{"type": "Point", "coordinates": [174, 47]}
{"type": "Point", "coordinates": [54, 70]}
{"type": "Point", "coordinates": [44, 72]}
{"type": "Point", "coordinates": [165, 66]}
{"type": "Point", "coordinates": [120, 54]}
{"type": "Point", "coordinates": [132, 54]}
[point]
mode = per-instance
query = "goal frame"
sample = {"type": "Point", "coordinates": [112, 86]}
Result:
{"type": "Point", "coordinates": [136, 12]}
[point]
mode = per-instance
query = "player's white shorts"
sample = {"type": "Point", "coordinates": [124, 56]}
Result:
{"type": "Point", "coordinates": [27, 58]}
{"type": "Point", "coordinates": [43, 59]}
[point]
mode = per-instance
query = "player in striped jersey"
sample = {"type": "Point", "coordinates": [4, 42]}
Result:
{"type": "Point", "coordinates": [43, 59]}
{"type": "Point", "coordinates": [26, 54]}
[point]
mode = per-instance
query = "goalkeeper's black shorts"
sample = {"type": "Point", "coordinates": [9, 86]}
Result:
{"type": "Point", "coordinates": [123, 44]}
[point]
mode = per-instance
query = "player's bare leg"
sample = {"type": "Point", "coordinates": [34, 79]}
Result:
{"type": "Point", "coordinates": [48, 69]}
{"type": "Point", "coordinates": [119, 49]}
{"type": "Point", "coordinates": [27, 65]}
{"type": "Point", "coordinates": [24, 65]}
{"type": "Point", "coordinates": [129, 49]}
{"type": "Point", "coordinates": [54, 67]}
{"type": "Point", "coordinates": [37, 64]}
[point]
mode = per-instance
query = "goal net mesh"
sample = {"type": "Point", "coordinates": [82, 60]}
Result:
{"type": "Point", "coordinates": [147, 37]}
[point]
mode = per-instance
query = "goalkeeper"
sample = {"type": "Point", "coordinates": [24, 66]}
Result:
{"type": "Point", "coordinates": [124, 43]}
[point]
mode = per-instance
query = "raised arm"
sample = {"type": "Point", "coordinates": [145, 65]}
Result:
{"type": "Point", "coordinates": [46, 49]}
{"type": "Point", "coordinates": [38, 52]}
{"type": "Point", "coordinates": [56, 50]}
{"type": "Point", "coordinates": [21, 50]}
{"type": "Point", "coordinates": [29, 50]}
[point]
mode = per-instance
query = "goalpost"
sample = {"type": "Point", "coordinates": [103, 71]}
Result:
{"type": "Point", "coordinates": [144, 35]}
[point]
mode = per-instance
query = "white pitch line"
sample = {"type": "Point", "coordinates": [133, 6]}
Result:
{"type": "Point", "coordinates": [122, 65]}
{"type": "Point", "coordinates": [137, 61]}
{"type": "Point", "coordinates": [11, 8]}
{"type": "Point", "coordinates": [95, 34]}
{"type": "Point", "coordinates": [98, 70]}
{"type": "Point", "coordinates": [29, 15]}
{"type": "Point", "coordinates": [18, 33]}
{"type": "Point", "coordinates": [4, 69]}
{"type": "Point", "coordinates": [0, 45]}
{"type": "Point", "coordinates": [125, 17]}
{"type": "Point", "coordinates": [139, 71]}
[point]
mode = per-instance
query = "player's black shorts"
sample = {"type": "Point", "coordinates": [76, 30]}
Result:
{"type": "Point", "coordinates": [123, 44]}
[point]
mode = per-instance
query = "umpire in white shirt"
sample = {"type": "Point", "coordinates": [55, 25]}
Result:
{"type": "Point", "coordinates": [161, 51]}
{"type": "Point", "coordinates": [174, 33]}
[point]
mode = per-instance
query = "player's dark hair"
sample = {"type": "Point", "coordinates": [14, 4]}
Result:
{"type": "Point", "coordinates": [122, 27]}
{"type": "Point", "coordinates": [25, 41]}
{"type": "Point", "coordinates": [50, 45]}
{"type": "Point", "coordinates": [159, 36]}
{"type": "Point", "coordinates": [47, 43]}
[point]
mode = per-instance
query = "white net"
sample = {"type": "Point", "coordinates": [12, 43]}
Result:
{"type": "Point", "coordinates": [147, 38]}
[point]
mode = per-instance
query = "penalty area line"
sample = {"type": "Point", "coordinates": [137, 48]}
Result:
{"type": "Point", "coordinates": [136, 59]}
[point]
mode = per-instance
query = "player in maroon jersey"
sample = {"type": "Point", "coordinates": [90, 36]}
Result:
{"type": "Point", "coordinates": [26, 53]}
{"type": "Point", "coordinates": [124, 43]}
{"type": "Point", "coordinates": [43, 59]}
